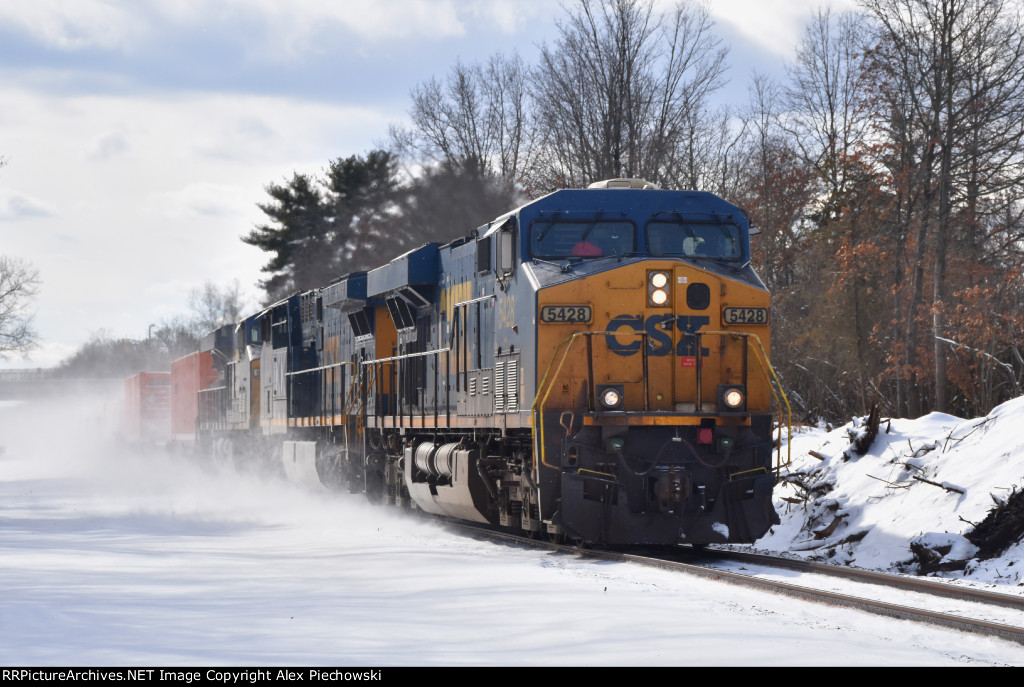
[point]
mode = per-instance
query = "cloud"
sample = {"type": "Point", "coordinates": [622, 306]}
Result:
{"type": "Point", "coordinates": [267, 129]}
{"type": "Point", "coordinates": [378, 21]}
{"type": "Point", "coordinates": [293, 30]}
{"type": "Point", "coordinates": [109, 145]}
{"type": "Point", "coordinates": [775, 25]}
{"type": "Point", "coordinates": [76, 24]}
{"type": "Point", "coordinates": [16, 206]}
{"type": "Point", "coordinates": [205, 200]}
{"type": "Point", "coordinates": [240, 138]}
{"type": "Point", "coordinates": [286, 29]}
{"type": "Point", "coordinates": [46, 354]}
{"type": "Point", "coordinates": [252, 129]}
{"type": "Point", "coordinates": [510, 16]}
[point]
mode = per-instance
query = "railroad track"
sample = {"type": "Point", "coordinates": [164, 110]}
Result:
{"type": "Point", "coordinates": [923, 585]}
{"type": "Point", "coordinates": [966, 609]}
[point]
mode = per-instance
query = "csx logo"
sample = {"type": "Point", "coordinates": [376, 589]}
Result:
{"type": "Point", "coordinates": [658, 329]}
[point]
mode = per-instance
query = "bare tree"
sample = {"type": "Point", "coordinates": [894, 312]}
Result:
{"type": "Point", "coordinates": [19, 284]}
{"type": "Point", "coordinates": [624, 92]}
{"type": "Point", "coordinates": [956, 69]}
{"type": "Point", "coordinates": [476, 117]}
{"type": "Point", "coordinates": [214, 306]}
{"type": "Point", "coordinates": [825, 106]}
{"type": "Point", "coordinates": [778, 185]}
{"type": "Point", "coordinates": [172, 339]}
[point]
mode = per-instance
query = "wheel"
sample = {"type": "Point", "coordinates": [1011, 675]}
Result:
{"type": "Point", "coordinates": [557, 537]}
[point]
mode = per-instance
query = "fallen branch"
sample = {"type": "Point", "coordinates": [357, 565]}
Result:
{"type": "Point", "coordinates": [941, 486]}
{"type": "Point", "coordinates": [974, 429]}
{"type": "Point", "coordinates": [791, 499]}
{"type": "Point", "coordinates": [819, 456]}
{"type": "Point", "coordinates": [894, 486]}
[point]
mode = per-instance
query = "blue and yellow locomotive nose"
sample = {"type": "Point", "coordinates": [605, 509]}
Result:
{"type": "Point", "coordinates": [654, 403]}
{"type": "Point", "coordinates": [670, 338]}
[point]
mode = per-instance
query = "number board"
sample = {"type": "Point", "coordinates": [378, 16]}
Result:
{"type": "Point", "coordinates": [745, 316]}
{"type": "Point", "coordinates": [565, 313]}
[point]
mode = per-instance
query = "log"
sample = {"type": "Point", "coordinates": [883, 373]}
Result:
{"type": "Point", "coordinates": [827, 531]}
{"type": "Point", "coordinates": [863, 444]}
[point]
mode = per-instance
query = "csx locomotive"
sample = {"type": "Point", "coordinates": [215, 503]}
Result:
{"type": "Point", "coordinates": [590, 366]}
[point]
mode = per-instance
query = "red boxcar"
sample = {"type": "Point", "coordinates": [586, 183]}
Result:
{"type": "Point", "coordinates": [189, 375]}
{"type": "Point", "coordinates": [146, 415]}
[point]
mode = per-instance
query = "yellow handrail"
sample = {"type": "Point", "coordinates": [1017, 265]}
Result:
{"type": "Point", "coordinates": [539, 432]}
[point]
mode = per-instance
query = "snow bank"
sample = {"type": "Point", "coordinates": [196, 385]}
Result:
{"type": "Point", "coordinates": [911, 502]}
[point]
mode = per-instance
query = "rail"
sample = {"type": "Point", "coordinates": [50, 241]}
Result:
{"type": "Point", "coordinates": [398, 407]}
{"type": "Point", "coordinates": [211, 408]}
{"type": "Point", "coordinates": [323, 410]}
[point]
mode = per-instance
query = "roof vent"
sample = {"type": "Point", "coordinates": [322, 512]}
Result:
{"type": "Point", "coordinates": [623, 183]}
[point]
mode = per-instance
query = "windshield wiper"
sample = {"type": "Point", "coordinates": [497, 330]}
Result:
{"type": "Point", "coordinates": [590, 227]}
{"type": "Point", "coordinates": [566, 267]}
{"type": "Point", "coordinates": [724, 262]}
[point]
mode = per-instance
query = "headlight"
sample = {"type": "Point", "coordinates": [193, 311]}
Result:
{"type": "Point", "coordinates": [658, 289]}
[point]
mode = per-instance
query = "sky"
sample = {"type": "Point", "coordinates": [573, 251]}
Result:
{"type": "Point", "coordinates": [140, 136]}
{"type": "Point", "coordinates": [123, 557]}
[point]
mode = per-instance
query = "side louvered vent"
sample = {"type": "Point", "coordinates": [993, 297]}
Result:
{"type": "Point", "coordinates": [512, 386]}
{"type": "Point", "coordinates": [499, 387]}
{"type": "Point", "coordinates": [506, 386]}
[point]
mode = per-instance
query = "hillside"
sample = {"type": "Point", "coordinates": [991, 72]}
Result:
{"type": "Point", "coordinates": [937, 495]}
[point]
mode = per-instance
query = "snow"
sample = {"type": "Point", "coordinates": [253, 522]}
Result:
{"type": "Point", "coordinates": [136, 558]}
{"type": "Point", "coordinates": [970, 466]}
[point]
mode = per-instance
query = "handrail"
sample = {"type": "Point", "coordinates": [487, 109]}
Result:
{"type": "Point", "coordinates": [789, 410]}
{"type": "Point", "coordinates": [318, 369]}
{"type": "Point", "coordinates": [352, 399]}
{"type": "Point", "coordinates": [539, 412]}
{"type": "Point", "coordinates": [406, 356]}
{"type": "Point", "coordinates": [420, 354]}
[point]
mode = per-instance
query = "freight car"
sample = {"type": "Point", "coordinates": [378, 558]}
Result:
{"type": "Point", "coordinates": [146, 408]}
{"type": "Point", "coordinates": [592, 365]}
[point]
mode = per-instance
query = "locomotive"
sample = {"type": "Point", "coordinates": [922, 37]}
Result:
{"type": "Point", "coordinates": [591, 366]}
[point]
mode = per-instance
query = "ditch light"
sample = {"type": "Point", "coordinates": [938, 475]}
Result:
{"type": "Point", "coordinates": [610, 397]}
{"type": "Point", "coordinates": [732, 398]}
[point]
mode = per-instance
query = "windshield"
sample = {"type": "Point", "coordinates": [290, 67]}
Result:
{"type": "Point", "coordinates": [583, 239]}
{"type": "Point", "coordinates": [694, 239]}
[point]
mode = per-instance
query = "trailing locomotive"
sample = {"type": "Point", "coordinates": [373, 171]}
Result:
{"type": "Point", "coordinates": [592, 365]}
